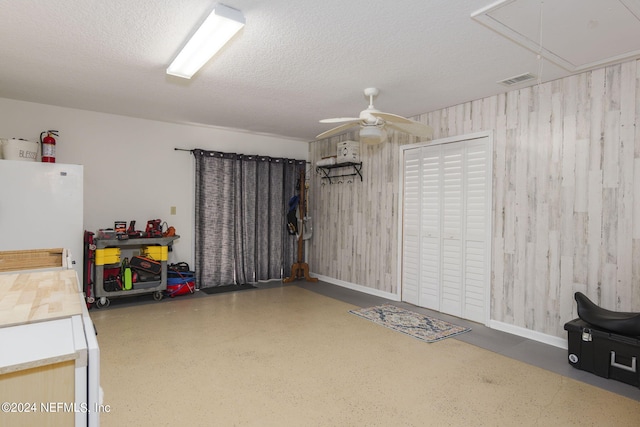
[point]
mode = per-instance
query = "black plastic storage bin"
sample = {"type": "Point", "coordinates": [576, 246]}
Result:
{"type": "Point", "coordinates": [603, 353]}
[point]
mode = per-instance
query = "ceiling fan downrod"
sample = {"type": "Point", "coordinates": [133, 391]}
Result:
{"type": "Point", "coordinates": [371, 92]}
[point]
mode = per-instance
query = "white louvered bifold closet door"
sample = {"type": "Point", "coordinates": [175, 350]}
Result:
{"type": "Point", "coordinates": [411, 227]}
{"type": "Point", "coordinates": [446, 239]}
{"type": "Point", "coordinates": [430, 233]}
{"type": "Point", "coordinates": [477, 250]}
{"type": "Point", "coordinates": [452, 214]}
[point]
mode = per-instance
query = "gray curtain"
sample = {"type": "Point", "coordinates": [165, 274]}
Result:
{"type": "Point", "coordinates": [241, 206]}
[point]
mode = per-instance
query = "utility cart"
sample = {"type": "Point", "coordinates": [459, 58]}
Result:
{"type": "Point", "coordinates": [108, 255]}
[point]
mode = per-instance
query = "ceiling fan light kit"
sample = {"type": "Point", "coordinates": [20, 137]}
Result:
{"type": "Point", "coordinates": [373, 123]}
{"type": "Point", "coordinates": [219, 27]}
{"type": "Point", "coordinates": [372, 135]}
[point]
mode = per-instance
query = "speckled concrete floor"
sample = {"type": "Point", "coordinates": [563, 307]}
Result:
{"type": "Point", "coordinates": [288, 356]}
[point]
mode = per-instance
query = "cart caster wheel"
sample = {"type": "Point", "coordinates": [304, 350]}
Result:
{"type": "Point", "coordinates": [157, 295]}
{"type": "Point", "coordinates": [102, 302]}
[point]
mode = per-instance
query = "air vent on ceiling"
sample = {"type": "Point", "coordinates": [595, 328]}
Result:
{"type": "Point", "coordinates": [517, 79]}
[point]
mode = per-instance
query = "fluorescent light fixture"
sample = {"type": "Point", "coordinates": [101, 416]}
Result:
{"type": "Point", "coordinates": [219, 27]}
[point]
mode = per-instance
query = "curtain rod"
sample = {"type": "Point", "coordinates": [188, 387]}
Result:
{"type": "Point", "coordinates": [196, 149]}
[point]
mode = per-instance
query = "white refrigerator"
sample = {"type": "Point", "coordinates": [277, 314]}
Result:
{"type": "Point", "coordinates": [41, 208]}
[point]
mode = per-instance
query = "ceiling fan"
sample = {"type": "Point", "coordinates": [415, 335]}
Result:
{"type": "Point", "coordinates": [373, 123]}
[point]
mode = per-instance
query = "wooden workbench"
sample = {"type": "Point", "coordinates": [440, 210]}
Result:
{"type": "Point", "coordinates": [34, 297]}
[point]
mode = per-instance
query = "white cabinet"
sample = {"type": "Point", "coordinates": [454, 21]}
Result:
{"type": "Point", "coordinates": [37, 367]}
{"type": "Point", "coordinates": [50, 359]}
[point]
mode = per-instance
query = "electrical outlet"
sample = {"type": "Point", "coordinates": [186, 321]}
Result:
{"type": "Point", "coordinates": [173, 210]}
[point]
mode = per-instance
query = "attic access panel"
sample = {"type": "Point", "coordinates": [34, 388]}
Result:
{"type": "Point", "coordinates": [576, 34]}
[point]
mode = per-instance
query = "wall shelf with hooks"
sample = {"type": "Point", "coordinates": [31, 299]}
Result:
{"type": "Point", "coordinates": [327, 171]}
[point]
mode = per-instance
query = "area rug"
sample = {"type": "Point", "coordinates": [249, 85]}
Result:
{"type": "Point", "coordinates": [417, 325]}
{"type": "Point", "coordinates": [226, 288]}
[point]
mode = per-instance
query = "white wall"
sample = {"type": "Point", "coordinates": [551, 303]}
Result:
{"type": "Point", "coordinates": [131, 170]}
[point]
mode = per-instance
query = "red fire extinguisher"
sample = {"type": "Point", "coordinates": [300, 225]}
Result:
{"type": "Point", "coordinates": [49, 146]}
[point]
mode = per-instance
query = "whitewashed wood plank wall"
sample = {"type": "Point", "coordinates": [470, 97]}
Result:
{"type": "Point", "coordinates": [566, 208]}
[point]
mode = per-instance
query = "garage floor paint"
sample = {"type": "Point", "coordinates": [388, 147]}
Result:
{"type": "Point", "coordinates": [291, 356]}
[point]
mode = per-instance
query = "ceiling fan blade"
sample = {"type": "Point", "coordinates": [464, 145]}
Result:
{"type": "Point", "coordinates": [337, 130]}
{"type": "Point", "coordinates": [388, 117]}
{"type": "Point", "coordinates": [340, 120]}
{"type": "Point", "coordinates": [415, 128]}
{"type": "Point", "coordinates": [405, 125]}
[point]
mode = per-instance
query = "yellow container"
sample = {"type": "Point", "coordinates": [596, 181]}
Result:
{"type": "Point", "coordinates": [107, 256]}
{"type": "Point", "coordinates": [158, 253]}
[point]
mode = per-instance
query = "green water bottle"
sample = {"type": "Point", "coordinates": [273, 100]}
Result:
{"type": "Point", "coordinates": [127, 283]}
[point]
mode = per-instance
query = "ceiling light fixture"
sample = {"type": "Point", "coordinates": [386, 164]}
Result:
{"type": "Point", "coordinates": [372, 135]}
{"type": "Point", "coordinates": [219, 27]}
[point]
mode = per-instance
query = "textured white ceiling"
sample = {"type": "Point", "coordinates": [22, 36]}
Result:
{"type": "Point", "coordinates": [294, 63]}
{"type": "Point", "coordinates": [575, 34]}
